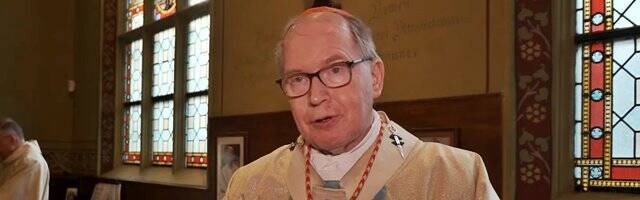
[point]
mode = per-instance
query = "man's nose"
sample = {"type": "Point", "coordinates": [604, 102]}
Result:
{"type": "Point", "coordinates": [317, 92]}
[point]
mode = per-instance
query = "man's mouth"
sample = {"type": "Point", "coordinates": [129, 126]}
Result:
{"type": "Point", "coordinates": [324, 122]}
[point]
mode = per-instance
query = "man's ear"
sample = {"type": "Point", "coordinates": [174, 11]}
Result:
{"type": "Point", "coordinates": [377, 73]}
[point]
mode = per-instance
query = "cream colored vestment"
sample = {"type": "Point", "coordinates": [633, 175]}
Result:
{"type": "Point", "coordinates": [24, 174]}
{"type": "Point", "coordinates": [429, 171]}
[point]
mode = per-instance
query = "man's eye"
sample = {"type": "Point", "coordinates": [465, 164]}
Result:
{"type": "Point", "coordinates": [296, 79]}
{"type": "Point", "coordinates": [336, 69]}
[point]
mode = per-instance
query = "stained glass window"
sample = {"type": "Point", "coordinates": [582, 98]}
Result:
{"type": "Point", "coordinates": [163, 62]}
{"type": "Point", "coordinates": [198, 55]}
{"type": "Point", "coordinates": [194, 2]}
{"type": "Point", "coordinates": [133, 72]}
{"type": "Point", "coordinates": [196, 109]}
{"type": "Point", "coordinates": [163, 81]}
{"type": "Point", "coordinates": [163, 133]}
{"type": "Point", "coordinates": [131, 135]}
{"type": "Point", "coordinates": [132, 121]}
{"type": "Point", "coordinates": [177, 93]}
{"type": "Point", "coordinates": [601, 15]}
{"type": "Point", "coordinates": [607, 101]}
{"type": "Point", "coordinates": [196, 131]}
{"type": "Point", "coordinates": [163, 8]}
{"type": "Point", "coordinates": [626, 13]}
{"type": "Point", "coordinates": [135, 14]}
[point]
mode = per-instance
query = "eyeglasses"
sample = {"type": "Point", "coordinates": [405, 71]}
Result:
{"type": "Point", "coordinates": [334, 76]}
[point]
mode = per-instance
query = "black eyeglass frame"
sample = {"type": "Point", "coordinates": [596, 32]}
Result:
{"type": "Point", "coordinates": [350, 63]}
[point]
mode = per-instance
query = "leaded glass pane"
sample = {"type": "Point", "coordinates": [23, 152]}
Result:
{"type": "Point", "coordinates": [196, 131]}
{"type": "Point", "coordinates": [627, 13]}
{"type": "Point", "coordinates": [194, 2]}
{"type": "Point", "coordinates": [163, 8]}
{"type": "Point", "coordinates": [162, 132]}
{"type": "Point", "coordinates": [579, 16]}
{"type": "Point", "coordinates": [163, 62]}
{"type": "Point", "coordinates": [198, 55]}
{"type": "Point", "coordinates": [637, 91]}
{"type": "Point", "coordinates": [134, 13]}
{"type": "Point", "coordinates": [133, 72]}
{"type": "Point", "coordinates": [608, 114]}
{"type": "Point", "coordinates": [605, 15]}
{"type": "Point", "coordinates": [132, 126]}
{"type": "Point", "coordinates": [577, 137]}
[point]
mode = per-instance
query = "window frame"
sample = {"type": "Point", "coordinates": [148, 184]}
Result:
{"type": "Point", "coordinates": [178, 174]}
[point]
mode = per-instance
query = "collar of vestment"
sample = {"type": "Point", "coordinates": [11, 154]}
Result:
{"type": "Point", "coordinates": [25, 148]}
{"type": "Point", "coordinates": [335, 167]}
{"type": "Point", "coordinates": [387, 161]}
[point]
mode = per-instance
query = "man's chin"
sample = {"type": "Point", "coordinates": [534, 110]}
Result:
{"type": "Point", "coordinates": [328, 147]}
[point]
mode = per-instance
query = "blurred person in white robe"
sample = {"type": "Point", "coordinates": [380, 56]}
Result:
{"type": "Point", "coordinates": [24, 173]}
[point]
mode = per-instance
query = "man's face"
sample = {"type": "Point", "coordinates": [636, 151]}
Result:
{"type": "Point", "coordinates": [7, 143]}
{"type": "Point", "coordinates": [330, 119]}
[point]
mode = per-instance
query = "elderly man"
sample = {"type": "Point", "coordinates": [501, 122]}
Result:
{"type": "Point", "coordinates": [24, 173]}
{"type": "Point", "coordinates": [331, 74]}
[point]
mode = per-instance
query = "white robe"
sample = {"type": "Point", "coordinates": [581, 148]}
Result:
{"type": "Point", "coordinates": [24, 174]}
{"type": "Point", "coordinates": [429, 171]}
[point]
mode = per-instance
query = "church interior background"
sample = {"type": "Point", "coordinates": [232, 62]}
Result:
{"type": "Point", "coordinates": [152, 94]}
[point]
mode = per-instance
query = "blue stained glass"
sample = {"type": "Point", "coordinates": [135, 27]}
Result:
{"type": "Point", "coordinates": [578, 68]}
{"type": "Point", "coordinates": [133, 125]}
{"type": "Point", "coordinates": [196, 124]}
{"type": "Point", "coordinates": [163, 62]}
{"type": "Point", "coordinates": [578, 102]}
{"type": "Point", "coordinates": [622, 50]}
{"type": "Point", "coordinates": [198, 55]}
{"type": "Point", "coordinates": [633, 65]}
{"type": "Point", "coordinates": [622, 92]}
{"type": "Point", "coordinates": [596, 95]}
{"type": "Point", "coordinates": [637, 144]}
{"type": "Point", "coordinates": [633, 118]}
{"type": "Point", "coordinates": [595, 173]}
{"type": "Point", "coordinates": [579, 24]}
{"type": "Point", "coordinates": [163, 126]}
{"type": "Point", "coordinates": [577, 140]}
{"type": "Point", "coordinates": [133, 72]}
{"type": "Point", "coordinates": [577, 172]}
{"type": "Point", "coordinates": [622, 141]}
{"type": "Point", "coordinates": [638, 91]}
{"type": "Point", "coordinates": [596, 57]}
{"type": "Point", "coordinates": [621, 5]}
{"type": "Point", "coordinates": [597, 19]}
{"type": "Point", "coordinates": [579, 6]}
{"type": "Point", "coordinates": [629, 12]}
{"type": "Point", "coordinates": [596, 133]}
{"type": "Point", "coordinates": [616, 67]}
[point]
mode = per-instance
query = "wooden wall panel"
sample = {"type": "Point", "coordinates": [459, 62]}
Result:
{"type": "Point", "coordinates": [478, 118]}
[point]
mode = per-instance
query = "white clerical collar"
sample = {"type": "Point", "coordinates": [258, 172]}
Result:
{"type": "Point", "coordinates": [335, 167]}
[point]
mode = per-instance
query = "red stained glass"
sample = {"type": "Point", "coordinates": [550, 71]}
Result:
{"type": "Point", "coordinates": [625, 173]}
{"type": "Point", "coordinates": [596, 148]}
{"type": "Point", "coordinates": [607, 132]}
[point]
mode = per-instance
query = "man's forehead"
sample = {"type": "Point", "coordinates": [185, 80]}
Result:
{"type": "Point", "coordinates": [319, 22]}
